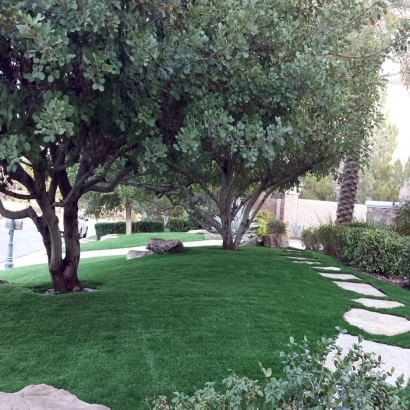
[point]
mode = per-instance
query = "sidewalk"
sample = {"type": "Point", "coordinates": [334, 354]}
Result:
{"type": "Point", "coordinates": [40, 257]}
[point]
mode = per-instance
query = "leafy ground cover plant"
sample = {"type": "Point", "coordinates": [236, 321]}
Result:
{"type": "Point", "coordinates": [357, 383]}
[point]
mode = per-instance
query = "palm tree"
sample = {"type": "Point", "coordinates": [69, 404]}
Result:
{"type": "Point", "coordinates": [348, 188]}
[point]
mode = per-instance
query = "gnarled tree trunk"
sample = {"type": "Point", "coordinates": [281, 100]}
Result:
{"type": "Point", "coordinates": [128, 222]}
{"type": "Point", "coordinates": [348, 188]}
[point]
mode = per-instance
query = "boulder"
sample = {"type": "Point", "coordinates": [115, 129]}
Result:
{"type": "Point", "coordinates": [275, 241]}
{"type": "Point", "coordinates": [212, 236]}
{"type": "Point", "coordinates": [4, 282]}
{"type": "Point", "coordinates": [163, 247]}
{"type": "Point", "coordinates": [250, 242]}
{"type": "Point", "coordinates": [137, 254]}
{"type": "Point", "coordinates": [44, 397]}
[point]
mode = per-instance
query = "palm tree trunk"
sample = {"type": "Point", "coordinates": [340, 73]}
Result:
{"type": "Point", "coordinates": [347, 197]}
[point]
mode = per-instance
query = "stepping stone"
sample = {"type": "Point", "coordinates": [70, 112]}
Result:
{"type": "Point", "coordinates": [377, 323]}
{"type": "Point", "coordinates": [363, 288]}
{"type": "Point", "coordinates": [308, 262]}
{"type": "Point", "coordinates": [392, 356]}
{"type": "Point", "coordinates": [378, 304]}
{"type": "Point", "coordinates": [299, 259]}
{"type": "Point", "coordinates": [328, 268]}
{"type": "Point", "coordinates": [341, 276]}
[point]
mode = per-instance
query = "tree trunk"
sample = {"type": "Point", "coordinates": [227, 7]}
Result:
{"type": "Point", "coordinates": [128, 223]}
{"type": "Point", "coordinates": [228, 241]}
{"type": "Point", "coordinates": [348, 188]}
{"type": "Point", "coordinates": [63, 271]}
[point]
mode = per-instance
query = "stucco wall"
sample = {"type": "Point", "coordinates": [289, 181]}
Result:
{"type": "Point", "coordinates": [312, 213]}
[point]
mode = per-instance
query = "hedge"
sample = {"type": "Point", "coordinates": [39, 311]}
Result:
{"type": "Point", "coordinates": [105, 228]}
{"type": "Point", "coordinates": [381, 251]}
{"type": "Point", "coordinates": [177, 225]}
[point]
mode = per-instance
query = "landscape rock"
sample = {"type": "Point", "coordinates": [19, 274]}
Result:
{"type": "Point", "coordinates": [163, 247]}
{"type": "Point", "coordinates": [137, 254]}
{"type": "Point", "coordinates": [275, 241]}
{"type": "Point", "coordinates": [212, 236]}
{"type": "Point", "coordinates": [44, 397]}
{"type": "Point", "coordinates": [4, 282]}
{"type": "Point", "coordinates": [250, 242]}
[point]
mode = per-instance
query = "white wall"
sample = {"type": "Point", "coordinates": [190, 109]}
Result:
{"type": "Point", "coordinates": [312, 213]}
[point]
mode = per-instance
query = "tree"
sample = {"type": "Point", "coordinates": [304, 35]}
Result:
{"type": "Point", "coordinates": [382, 178]}
{"type": "Point", "coordinates": [80, 89]}
{"type": "Point", "coordinates": [268, 91]}
{"type": "Point", "coordinates": [321, 190]}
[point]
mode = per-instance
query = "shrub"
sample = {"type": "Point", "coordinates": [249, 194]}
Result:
{"type": "Point", "coordinates": [105, 228]}
{"type": "Point", "coordinates": [402, 219]}
{"type": "Point", "coordinates": [349, 245]}
{"type": "Point", "coordinates": [274, 226]}
{"type": "Point", "coordinates": [357, 383]}
{"type": "Point", "coordinates": [328, 237]}
{"type": "Point", "coordinates": [310, 239]}
{"type": "Point", "coordinates": [403, 262]}
{"type": "Point", "coordinates": [379, 251]}
{"type": "Point", "coordinates": [262, 218]}
{"type": "Point", "coordinates": [177, 225]}
{"type": "Point", "coordinates": [295, 230]}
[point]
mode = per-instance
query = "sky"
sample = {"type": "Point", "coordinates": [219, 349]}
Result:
{"type": "Point", "coordinates": [398, 108]}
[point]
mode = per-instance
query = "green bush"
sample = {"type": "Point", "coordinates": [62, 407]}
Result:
{"type": "Point", "coordinates": [402, 219]}
{"type": "Point", "coordinates": [274, 226]}
{"type": "Point", "coordinates": [329, 237]}
{"type": "Point", "coordinates": [379, 251]}
{"type": "Point", "coordinates": [357, 383]}
{"type": "Point", "coordinates": [177, 225]}
{"type": "Point", "coordinates": [261, 219]}
{"type": "Point", "coordinates": [403, 262]}
{"type": "Point", "coordinates": [105, 228]}
{"type": "Point", "coordinates": [310, 239]}
{"type": "Point", "coordinates": [349, 245]}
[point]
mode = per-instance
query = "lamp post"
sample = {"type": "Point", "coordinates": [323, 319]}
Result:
{"type": "Point", "coordinates": [9, 261]}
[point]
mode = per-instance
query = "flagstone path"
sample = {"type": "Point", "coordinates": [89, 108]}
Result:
{"type": "Point", "coordinates": [372, 322]}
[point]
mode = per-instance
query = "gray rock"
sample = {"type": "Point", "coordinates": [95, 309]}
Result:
{"type": "Point", "coordinates": [137, 254]}
{"type": "Point", "coordinates": [44, 397]}
{"type": "Point", "coordinates": [164, 247]}
{"type": "Point", "coordinates": [275, 241]}
{"type": "Point", "coordinates": [250, 242]}
{"type": "Point", "coordinates": [212, 236]}
{"type": "Point", "coordinates": [4, 282]}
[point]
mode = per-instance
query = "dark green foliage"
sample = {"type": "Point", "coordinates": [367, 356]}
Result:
{"type": "Point", "coordinates": [177, 225]}
{"type": "Point", "coordinates": [310, 239]}
{"type": "Point", "coordinates": [402, 219]}
{"type": "Point", "coordinates": [328, 236]}
{"type": "Point", "coordinates": [403, 263]}
{"type": "Point", "coordinates": [105, 228]}
{"type": "Point", "coordinates": [349, 245]}
{"type": "Point", "coordinates": [379, 251]}
{"type": "Point", "coordinates": [274, 226]}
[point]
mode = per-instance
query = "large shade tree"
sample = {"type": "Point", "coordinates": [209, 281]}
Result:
{"type": "Point", "coordinates": [268, 91]}
{"type": "Point", "coordinates": [80, 91]}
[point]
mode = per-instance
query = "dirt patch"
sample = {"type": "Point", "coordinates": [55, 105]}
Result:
{"type": "Point", "coordinates": [393, 281]}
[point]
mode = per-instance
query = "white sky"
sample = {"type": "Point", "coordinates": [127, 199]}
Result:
{"type": "Point", "coordinates": [398, 108]}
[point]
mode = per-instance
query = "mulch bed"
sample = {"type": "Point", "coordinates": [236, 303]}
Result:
{"type": "Point", "coordinates": [393, 281]}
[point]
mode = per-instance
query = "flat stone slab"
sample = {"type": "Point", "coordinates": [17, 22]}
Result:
{"type": "Point", "coordinates": [299, 258]}
{"type": "Point", "coordinates": [363, 288]}
{"type": "Point", "coordinates": [328, 268]}
{"type": "Point", "coordinates": [378, 304]}
{"type": "Point", "coordinates": [392, 356]}
{"type": "Point", "coordinates": [308, 262]}
{"type": "Point", "coordinates": [44, 397]}
{"type": "Point", "coordinates": [341, 276]}
{"type": "Point", "coordinates": [377, 323]}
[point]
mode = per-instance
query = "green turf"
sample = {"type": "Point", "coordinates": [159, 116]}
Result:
{"type": "Point", "coordinates": [162, 323]}
{"type": "Point", "coordinates": [139, 239]}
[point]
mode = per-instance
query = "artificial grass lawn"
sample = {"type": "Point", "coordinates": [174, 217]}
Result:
{"type": "Point", "coordinates": [162, 323]}
{"type": "Point", "coordinates": [139, 239]}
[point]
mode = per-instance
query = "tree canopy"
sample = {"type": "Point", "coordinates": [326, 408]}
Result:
{"type": "Point", "coordinates": [269, 91]}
